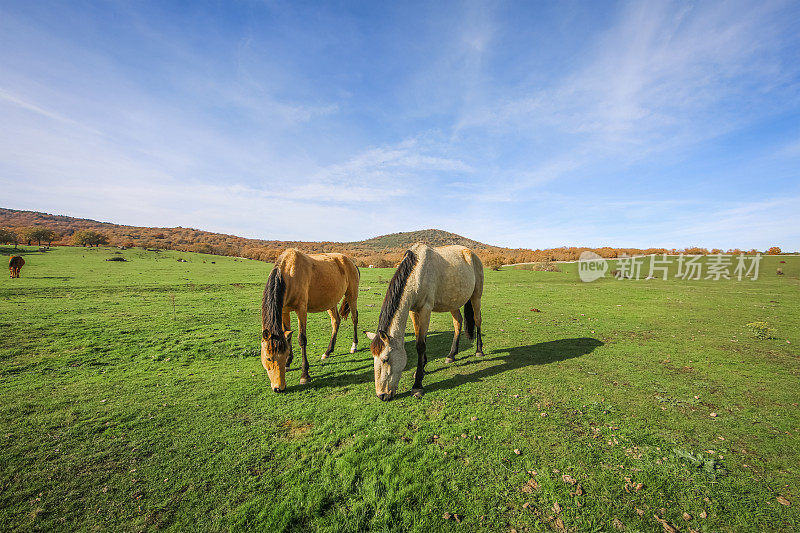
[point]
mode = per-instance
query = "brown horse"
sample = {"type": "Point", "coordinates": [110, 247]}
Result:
{"type": "Point", "coordinates": [15, 264]}
{"type": "Point", "coordinates": [304, 283]}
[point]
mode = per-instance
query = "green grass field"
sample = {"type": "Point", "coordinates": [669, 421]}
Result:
{"type": "Point", "coordinates": [133, 398]}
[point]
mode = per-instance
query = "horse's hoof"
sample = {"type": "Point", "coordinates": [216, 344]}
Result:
{"type": "Point", "coordinates": [303, 381]}
{"type": "Point", "coordinates": [353, 348]}
{"type": "Point", "coordinates": [417, 393]}
{"type": "Point", "coordinates": [450, 360]}
{"type": "Point", "coordinates": [479, 354]}
{"type": "Point", "coordinates": [324, 356]}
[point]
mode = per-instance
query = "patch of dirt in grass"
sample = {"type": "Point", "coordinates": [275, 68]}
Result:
{"type": "Point", "coordinates": [529, 486]}
{"type": "Point", "coordinates": [296, 430]}
{"type": "Point", "coordinates": [435, 408]}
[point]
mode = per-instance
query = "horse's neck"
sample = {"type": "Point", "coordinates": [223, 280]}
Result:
{"type": "Point", "coordinates": [397, 328]}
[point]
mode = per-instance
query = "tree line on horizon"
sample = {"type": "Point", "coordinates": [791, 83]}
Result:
{"type": "Point", "coordinates": [21, 227]}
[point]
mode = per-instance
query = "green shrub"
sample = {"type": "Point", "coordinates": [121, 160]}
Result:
{"type": "Point", "coordinates": [761, 330]}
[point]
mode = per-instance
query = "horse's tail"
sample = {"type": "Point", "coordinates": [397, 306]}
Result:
{"type": "Point", "coordinates": [352, 289]}
{"type": "Point", "coordinates": [344, 310]}
{"type": "Point", "coordinates": [469, 318]}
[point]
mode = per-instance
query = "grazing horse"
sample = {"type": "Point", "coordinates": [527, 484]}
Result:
{"type": "Point", "coordinates": [304, 283]}
{"type": "Point", "coordinates": [15, 264]}
{"type": "Point", "coordinates": [427, 279]}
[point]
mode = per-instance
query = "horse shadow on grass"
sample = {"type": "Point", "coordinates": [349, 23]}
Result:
{"type": "Point", "coordinates": [439, 345]}
{"type": "Point", "coordinates": [541, 353]}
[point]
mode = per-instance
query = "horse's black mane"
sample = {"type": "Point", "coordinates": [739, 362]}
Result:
{"type": "Point", "coordinates": [393, 297]}
{"type": "Point", "coordinates": [272, 311]}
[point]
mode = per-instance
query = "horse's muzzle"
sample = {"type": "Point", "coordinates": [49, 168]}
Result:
{"type": "Point", "coordinates": [277, 389]}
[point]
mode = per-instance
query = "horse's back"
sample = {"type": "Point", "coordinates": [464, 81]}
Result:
{"type": "Point", "coordinates": [345, 265]}
{"type": "Point", "coordinates": [452, 277]}
{"type": "Point", "coordinates": [319, 280]}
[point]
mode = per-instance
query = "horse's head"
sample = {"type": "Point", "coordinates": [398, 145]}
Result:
{"type": "Point", "coordinates": [389, 358]}
{"type": "Point", "coordinates": [276, 348]}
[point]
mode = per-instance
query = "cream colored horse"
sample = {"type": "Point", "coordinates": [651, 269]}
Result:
{"type": "Point", "coordinates": [427, 280]}
{"type": "Point", "coordinates": [304, 283]}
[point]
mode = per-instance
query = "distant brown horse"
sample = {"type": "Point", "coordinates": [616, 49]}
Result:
{"type": "Point", "coordinates": [304, 283]}
{"type": "Point", "coordinates": [15, 264]}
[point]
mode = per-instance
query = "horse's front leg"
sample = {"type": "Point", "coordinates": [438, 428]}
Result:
{"type": "Point", "coordinates": [354, 314]}
{"type": "Point", "coordinates": [287, 325]}
{"type": "Point", "coordinates": [421, 320]}
{"type": "Point", "coordinates": [301, 325]}
{"type": "Point", "coordinates": [335, 321]}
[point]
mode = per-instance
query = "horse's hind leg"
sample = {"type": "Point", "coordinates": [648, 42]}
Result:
{"type": "Point", "coordinates": [421, 320]}
{"type": "Point", "coordinates": [335, 321]}
{"type": "Point", "coordinates": [457, 321]}
{"type": "Point", "coordinates": [476, 308]}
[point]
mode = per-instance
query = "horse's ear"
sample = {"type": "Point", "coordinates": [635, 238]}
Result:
{"type": "Point", "coordinates": [384, 336]}
{"type": "Point", "coordinates": [370, 336]}
{"type": "Point", "coordinates": [288, 335]}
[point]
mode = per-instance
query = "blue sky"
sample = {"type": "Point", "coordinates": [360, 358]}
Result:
{"type": "Point", "coordinates": [529, 124]}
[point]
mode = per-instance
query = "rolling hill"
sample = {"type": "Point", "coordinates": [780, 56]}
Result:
{"type": "Point", "coordinates": [389, 247]}
{"type": "Point", "coordinates": [434, 237]}
{"type": "Point", "coordinates": [384, 250]}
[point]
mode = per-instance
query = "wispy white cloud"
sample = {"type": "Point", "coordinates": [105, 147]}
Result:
{"type": "Point", "coordinates": [663, 77]}
{"type": "Point", "coordinates": [389, 167]}
{"type": "Point", "coordinates": [14, 100]}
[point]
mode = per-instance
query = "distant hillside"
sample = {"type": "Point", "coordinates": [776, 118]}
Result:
{"type": "Point", "coordinates": [379, 251]}
{"type": "Point", "coordinates": [382, 251]}
{"type": "Point", "coordinates": [434, 237]}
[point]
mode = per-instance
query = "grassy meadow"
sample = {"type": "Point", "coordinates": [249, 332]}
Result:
{"type": "Point", "coordinates": [133, 398]}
